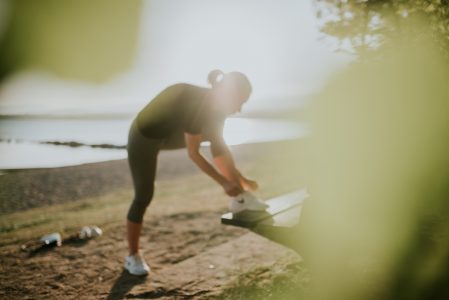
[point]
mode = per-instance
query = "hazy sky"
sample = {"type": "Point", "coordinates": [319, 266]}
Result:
{"type": "Point", "coordinates": [276, 43]}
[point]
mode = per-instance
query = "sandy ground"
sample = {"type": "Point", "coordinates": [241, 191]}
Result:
{"type": "Point", "coordinates": [192, 255]}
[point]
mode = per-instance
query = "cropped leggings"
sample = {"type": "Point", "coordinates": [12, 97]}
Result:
{"type": "Point", "coordinates": [142, 161]}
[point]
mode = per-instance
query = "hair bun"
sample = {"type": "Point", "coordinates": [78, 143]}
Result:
{"type": "Point", "coordinates": [214, 75]}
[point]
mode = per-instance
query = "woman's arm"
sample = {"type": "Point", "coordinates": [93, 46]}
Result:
{"type": "Point", "coordinates": [225, 162]}
{"type": "Point", "coordinates": [193, 142]}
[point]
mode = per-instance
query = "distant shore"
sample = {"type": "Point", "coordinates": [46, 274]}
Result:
{"type": "Point", "coordinates": [73, 144]}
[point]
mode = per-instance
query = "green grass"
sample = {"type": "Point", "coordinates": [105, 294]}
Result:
{"type": "Point", "coordinates": [279, 282]}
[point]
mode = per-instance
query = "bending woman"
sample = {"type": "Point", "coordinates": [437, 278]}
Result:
{"type": "Point", "coordinates": [183, 115]}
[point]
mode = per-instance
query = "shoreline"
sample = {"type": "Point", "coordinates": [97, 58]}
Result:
{"type": "Point", "coordinates": [23, 189]}
{"type": "Point", "coordinates": [5, 171]}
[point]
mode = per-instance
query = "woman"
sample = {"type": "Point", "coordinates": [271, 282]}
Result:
{"type": "Point", "coordinates": [183, 115]}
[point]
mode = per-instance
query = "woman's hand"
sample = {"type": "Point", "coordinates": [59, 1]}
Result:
{"type": "Point", "coordinates": [248, 184]}
{"type": "Point", "coordinates": [232, 189]}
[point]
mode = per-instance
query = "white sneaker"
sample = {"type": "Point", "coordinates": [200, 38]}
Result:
{"type": "Point", "coordinates": [136, 265]}
{"type": "Point", "coordinates": [246, 201]}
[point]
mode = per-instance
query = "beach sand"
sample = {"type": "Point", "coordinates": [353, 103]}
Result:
{"type": "Point", "coordinates": [192, 255]}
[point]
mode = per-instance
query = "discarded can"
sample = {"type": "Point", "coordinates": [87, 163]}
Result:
{"type": "Point", "coordinates": [87, 232]}
{"type": "Point", "coordinates": [95, 231]}
{"type": "Point", "coordinates": [52, 239]}
{"type": "Point", "coordinates": [84, 233]}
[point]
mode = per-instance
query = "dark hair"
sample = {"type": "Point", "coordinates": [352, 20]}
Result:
{"type": "Point", "coordinates": [239, 79]}
{"type": "Point", "coordinates": [212, 78]}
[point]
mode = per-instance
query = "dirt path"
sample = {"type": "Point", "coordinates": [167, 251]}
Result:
{"type": "Point", "coordinates": [192, 256]}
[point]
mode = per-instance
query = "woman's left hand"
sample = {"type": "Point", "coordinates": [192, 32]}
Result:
{"type": "Point", "coordinates": [249, 184]}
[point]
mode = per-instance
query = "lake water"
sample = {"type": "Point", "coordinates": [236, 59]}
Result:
{"type": "Point", "coordinates": [21, 139]}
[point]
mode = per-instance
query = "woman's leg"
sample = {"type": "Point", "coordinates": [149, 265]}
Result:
{"type": "Point", "coordinates": [133, 230]}
{"type": "Point", "coordinates": [142, 160]}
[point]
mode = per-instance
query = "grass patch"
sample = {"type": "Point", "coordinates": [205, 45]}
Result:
{"type": "Point", "coordinates": [279, 282]}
